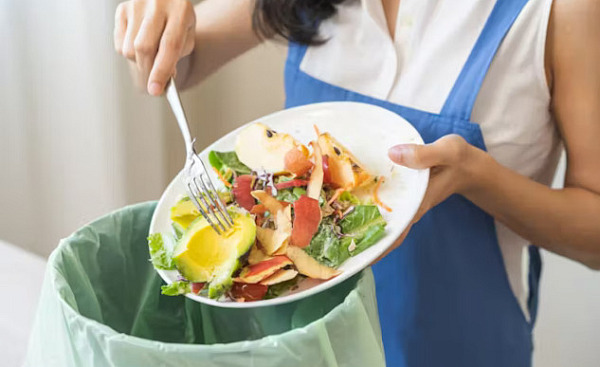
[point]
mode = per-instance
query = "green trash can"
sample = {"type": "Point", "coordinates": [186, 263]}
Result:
{"type": "Point", "coordinates": [101, 307]}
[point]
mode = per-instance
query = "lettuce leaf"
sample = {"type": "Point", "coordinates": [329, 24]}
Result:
{"type": "Point", "coordinates": [176, 288]}
{"type": "Point", "coordinates": [364, 225]}
{"type": "Point", "coordinates": [223, 161]}
{"type": "Point", "coordinates": [159, 256]}
{"type": "Point", "coordinates": [360, 229]}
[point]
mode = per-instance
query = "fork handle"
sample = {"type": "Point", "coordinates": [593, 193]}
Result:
{"type": "Point", "coordinates": [173, 98]}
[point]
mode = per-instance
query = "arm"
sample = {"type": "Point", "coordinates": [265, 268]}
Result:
{"type": "Point", "coordinates": [162, 38]}
{"type": "Point", "coordinates": [565, 221]}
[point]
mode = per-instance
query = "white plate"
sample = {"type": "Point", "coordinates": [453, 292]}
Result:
{"type": "Point", "coordinates": [367, 131]}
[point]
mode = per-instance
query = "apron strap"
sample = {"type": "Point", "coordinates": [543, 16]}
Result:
{"type": "Point", "coordinates": [462, 97]}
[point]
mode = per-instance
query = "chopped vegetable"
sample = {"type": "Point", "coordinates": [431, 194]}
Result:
{"type": "Point", "coordinates": [176, 288]}
{"type": "Point", "coordinates": [221, 178]}
{"type": "Point", "coordinates": [159, 256]}
{"type": "Point", "coordinates": [224, 160]}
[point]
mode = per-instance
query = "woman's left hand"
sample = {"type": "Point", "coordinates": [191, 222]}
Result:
{"type": "Point", "coordinates": [449, 159]}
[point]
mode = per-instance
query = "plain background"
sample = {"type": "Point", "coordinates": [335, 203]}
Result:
{"type": "Point", "coordinates": [76, 141]}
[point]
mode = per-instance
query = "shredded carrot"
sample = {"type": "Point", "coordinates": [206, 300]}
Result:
{"type": "Point", "coordinates": [336, 195]}
{"type": "Point", "coordinates": [376, 196]}
{"type": "Point", "coordinates": [317, 130]}
{"type": "Point", "coordinates": [221, 178]}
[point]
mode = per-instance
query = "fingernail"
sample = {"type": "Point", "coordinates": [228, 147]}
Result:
{"type": "Point", "coordinates": [398, 153]}
{"type": "Point", "coordinates": [154, 89]}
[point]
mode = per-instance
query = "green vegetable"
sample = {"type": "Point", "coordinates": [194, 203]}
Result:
{"type": "Point", "coordinates": [224, 161]}
{"type": "Point", "coordinates": [369, 238]}
{"type": "Point", "coordinates": [159, 256]}
{"type": "Point", "coordinates": [278, 289]}
{"type": "Point", "coordinates": [364, 226]}
{"type": "Point", "coordinates": [326, 247]}
{"type": "Point", "coordinates": [176, 288]}
{"type": "Point", "coordinates": [347, 197]}
{"type": "Point", "coordinates": [280, 179]}
{"type": "Point", "coordinates": [291, 194]}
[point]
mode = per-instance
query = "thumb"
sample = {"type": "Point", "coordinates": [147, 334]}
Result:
{"type": "Point", "coordinates": [446, 150]}
{"type": "Point", "coordinates": [415, 156]}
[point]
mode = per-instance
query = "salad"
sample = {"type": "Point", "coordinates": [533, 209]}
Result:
{"type": "Point", "coordinates": [299, 212]}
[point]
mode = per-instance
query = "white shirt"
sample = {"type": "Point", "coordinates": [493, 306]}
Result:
{"type": "Point", "coordinates": [419, 66]}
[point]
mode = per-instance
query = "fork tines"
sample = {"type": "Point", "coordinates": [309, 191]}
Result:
{"type": "Point", "coordinates": [206, 199]}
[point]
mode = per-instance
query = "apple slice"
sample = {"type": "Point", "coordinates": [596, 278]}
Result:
{"type": "Point", "coordinates": [256, 255]}
{"type": "Point", "coordinates": [274, 240]}
{"type": "Point", "coordinates": [261, 148]}
{"type": "Point", "coordinates": [297, 162]}
{"type": "Point", "coordinates": [258, 209]}
{"type": "Point", "coordinates": [307, 216]}
{"type": "Point", "coordinates": [308, 266]}
{"type": "Point", "coordinates": [243, 292]}
{"type": "Point", "coordinates": [291, 183]}
{"type": "Point", "coordinates": [280, 276]}
{"type": "Point", "coordinates": [345, 169]}
{"type": "Point", "coordinates": [257, 272]}
{"type": "Point", "coordinates": [242, 188]}
{"type": "Point", "coordinates": [273, 205]}
{"type": "Point", "coordinates": [316, 177]}
{"type": "Point", "coordinates": [326, 173]}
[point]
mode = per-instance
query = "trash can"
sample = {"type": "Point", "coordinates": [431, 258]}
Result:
{"type": "Point", "coordinates": [101, 306]}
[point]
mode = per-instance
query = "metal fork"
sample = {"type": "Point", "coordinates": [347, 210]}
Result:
{"type": "Point", "coordinates": [196, 179]}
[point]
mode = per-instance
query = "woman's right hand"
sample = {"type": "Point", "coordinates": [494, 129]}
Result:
{"type": "Point", "coordinates": [155, 35]}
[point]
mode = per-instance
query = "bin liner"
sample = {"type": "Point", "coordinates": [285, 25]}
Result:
{"type": "Point", "coordinates": [101, 307]}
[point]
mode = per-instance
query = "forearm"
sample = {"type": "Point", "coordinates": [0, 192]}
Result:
{"type": "Point", "coordinates": [223, 32]}
{"type": "Point", "coordinates": [565, 221]}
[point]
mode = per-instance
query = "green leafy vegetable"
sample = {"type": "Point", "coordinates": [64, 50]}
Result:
{"type": "Point", "coordinates": [360, 219]}
{"type": "Point", "coordinates": [326, 247]}
{"type": "Point", "coordinates": [360, 229]}
{"type": "Point", "coordinates": [290, 195]}
{"type": "Point", "coordinates": [223, 161]}
{"type": "Point", "coordinates": [176, 288]}
{"type": "Point", "coordinates": [278, 289]}
{"type": "Point", "coordinates": [159, 256]}
{"type": "Point", "coordinates": [364, 225]}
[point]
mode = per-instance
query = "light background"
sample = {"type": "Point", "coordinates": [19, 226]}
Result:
{"type": "Point", "coordinates": [76, 141]}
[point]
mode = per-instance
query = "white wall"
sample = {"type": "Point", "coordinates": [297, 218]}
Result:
{"type": "Point", "coordinates": [568, 327]}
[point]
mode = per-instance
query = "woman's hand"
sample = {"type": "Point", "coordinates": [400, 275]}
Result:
{"type": "Point", "coordinates": [154, 35]}
{"type": "Point", "coordinates": [450, 159]}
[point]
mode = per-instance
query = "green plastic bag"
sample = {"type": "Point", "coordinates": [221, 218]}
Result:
{"type": "Point", "coordinates": [101, 306]}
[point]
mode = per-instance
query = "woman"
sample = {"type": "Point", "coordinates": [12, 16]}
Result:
{"type": "Point", "coordinates": [494, 88]}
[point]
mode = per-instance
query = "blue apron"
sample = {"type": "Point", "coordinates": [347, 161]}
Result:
{"type": "Point", "coordinates": [444, 297]}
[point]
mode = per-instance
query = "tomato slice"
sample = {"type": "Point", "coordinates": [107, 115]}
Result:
{"type": "Point", "coordinates": [249, 292]}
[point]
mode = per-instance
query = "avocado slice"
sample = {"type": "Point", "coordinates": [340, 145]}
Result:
{"type": "Point", "coordinates": [184, 212]}
{"type": "Point", "coordinates": [202, 255]}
